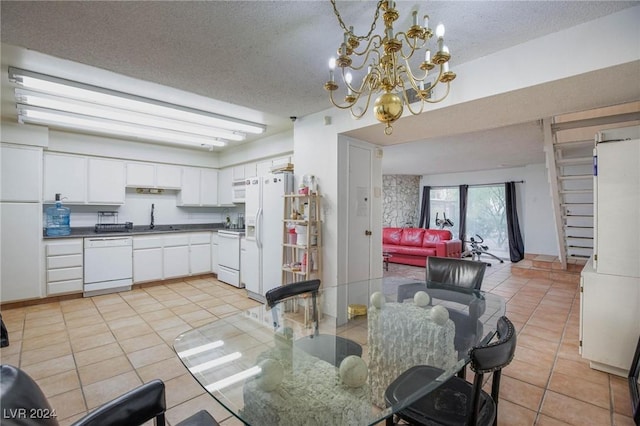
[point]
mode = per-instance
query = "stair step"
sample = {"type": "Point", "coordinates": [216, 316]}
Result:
{"type": "Point", "coordinates": [574, 161]}
{"type": "Point", "coordinates": [575, 177]}
{"type": "Point", "coordinates": [576, 191]}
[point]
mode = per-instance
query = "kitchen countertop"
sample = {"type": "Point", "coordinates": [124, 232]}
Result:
{"type": "Point", "coordinates": [89, 231]}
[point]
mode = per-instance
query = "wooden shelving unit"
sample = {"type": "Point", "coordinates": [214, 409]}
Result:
{"type": "Point", "coordinates": [302, 260]}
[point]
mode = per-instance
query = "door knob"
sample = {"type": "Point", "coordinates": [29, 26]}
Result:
{"type": "Point", "coordinates": [368, 233]}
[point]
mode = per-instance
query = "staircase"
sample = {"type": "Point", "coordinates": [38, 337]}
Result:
{"type": "Point", "coordinates": [569, 141]}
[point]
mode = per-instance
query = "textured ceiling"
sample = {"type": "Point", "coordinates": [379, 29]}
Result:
{"type": "Point", "coordinates": [268, 56]}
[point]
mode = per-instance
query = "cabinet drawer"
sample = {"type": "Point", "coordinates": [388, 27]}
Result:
{"type": "Point", "coordinates": [69, 261]}
{"type": "Point", "coordinates": [200, 238]}
{"type": "Point", "coordinates": [64, 274]}
{"type": "Point", "coordinates": [64, 247]}
{"type": "Point", "coordinates": [176, 240]}
{"type": "Point", "coordinates": [69, 286]}
{"type": "Point", "coordinates": [147, 242]}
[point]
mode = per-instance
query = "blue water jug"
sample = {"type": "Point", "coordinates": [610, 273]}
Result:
{"type": "Point", "coordinates": [57, 221]}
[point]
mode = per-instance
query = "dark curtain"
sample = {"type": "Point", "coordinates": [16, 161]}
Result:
{"type": "Point", "coordinates": [516, 245]}
{"type": "Point", "coordinates": [462, 227]}
{"type": "Point", "coordinates": [425, 210]}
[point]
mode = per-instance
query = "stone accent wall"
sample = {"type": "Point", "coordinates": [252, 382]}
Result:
{"type": "Point", "coordinates": [400, 203]}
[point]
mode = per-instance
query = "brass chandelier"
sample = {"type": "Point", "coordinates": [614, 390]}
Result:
{"type": "Point", "coordinates": [387, 58]}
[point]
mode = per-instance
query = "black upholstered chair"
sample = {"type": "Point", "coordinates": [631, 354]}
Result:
{"type": "Point", "coordinates": [457, 402]}
{"type": "Point", "coordinates": [634, 388]}
{"type": "Point", "coordinates": [23, 403]}
{"type": "Point", "coordinates": [329, 348]}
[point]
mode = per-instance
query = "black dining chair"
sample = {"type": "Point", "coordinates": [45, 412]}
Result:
{"type": "Point", "coordinates": [24, 403]}
{"type": "Point", "coordinates": [330, 348]}
{"type": "Point", "coordinates": [634, 388]}
{"type": "Point", "coordinates": [456, 401]}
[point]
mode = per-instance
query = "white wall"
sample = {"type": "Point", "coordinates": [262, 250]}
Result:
{"type": "Point", "coordinates": [137, 209]}
{"type": "Point", "coordinates": [274, 146]}
{"type": "Point", "coordinates": [534, 202]}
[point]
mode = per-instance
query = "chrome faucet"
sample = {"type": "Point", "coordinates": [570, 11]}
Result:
{"type": "Point", "coordinates": [151, 225]}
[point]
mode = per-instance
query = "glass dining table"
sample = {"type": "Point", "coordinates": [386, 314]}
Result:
{"type": "Point", "coordinates": [253, 364]}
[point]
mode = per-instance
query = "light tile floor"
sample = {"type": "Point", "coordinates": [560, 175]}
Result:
{"type": "Point", "coordinates": [84, 352]}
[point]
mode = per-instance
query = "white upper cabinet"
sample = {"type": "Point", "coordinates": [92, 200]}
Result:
{"type": "Point", "coordinates": [141, 175]}
{"type": "Point", "coordinates": [169, 177]}
{"type": "Point", "coordinates": [150, 175]}
{"type": "Point", "coordinates": [67, 175]}
{"type": "Point", "coordinates": [22, 173]}
{"type": "Point", "coordinates": [106, 181]}
{"type": "Point", "coordinates": [199, 187]}
{"type": "Point", "coordinates": [208, 187]}
{"type": "Point", "coordinates": [83, 180]}
{"type": "Point", "coordinates": [225, 186]}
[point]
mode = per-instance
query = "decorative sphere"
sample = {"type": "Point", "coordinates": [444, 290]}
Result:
{"type": "Point", "coordinates": [421, 299]}
{"type": "Point", "coordinates": [377, 300]}
{"type": "Point", "coordinates": [353, 371]}
{"type": "Point", "coordinates": [388, 107]}
{"type": "Point", "coordinates": [271, 375]}
{"type": "Point", "coordinates": [439, 315]}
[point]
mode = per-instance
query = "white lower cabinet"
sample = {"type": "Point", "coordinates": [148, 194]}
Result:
{"type": "Point", "coordinates": [147, 258]}
{"type": "Point", "coordinates": [243, 263]}
{"type": "Point", "coordinates": [21, 247]}
{"type": "Point", "coordinates": [176, 256]}
{"type": "Point", "coordinates": [214, 252]}
{"type": "Point", "coordinates": [64, 266]}
{"type": "Point", "coordinates": [200, 253]}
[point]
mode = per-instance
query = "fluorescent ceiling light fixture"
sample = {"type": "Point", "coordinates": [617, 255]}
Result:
{"type": "Point", "coordinates": [57, 94]}
{"type": "Point", "coordinates": [84, 108]}
{"type": "Point", "coordinates": [199, 349]}
{"type": "Point", "coordinates": [28, 114]}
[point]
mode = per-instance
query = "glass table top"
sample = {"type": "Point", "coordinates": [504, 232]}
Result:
{"type": "Point", "coordinates": [273, 366]}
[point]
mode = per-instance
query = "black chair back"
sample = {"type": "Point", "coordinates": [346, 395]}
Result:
{"type": "Point", "coordinates": [278, 294]}
{"type": "Point", "coordinates": [492, 358]}
{"type": "Point", "coordinates": [451, 271]}
{"type": "Point", "coordinates": [634, 388]}
{"type": "Point", "coordinates": [19, 395]}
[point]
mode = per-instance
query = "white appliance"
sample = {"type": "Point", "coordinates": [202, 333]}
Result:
{"type": "Point", "coordinates": [108, 265]}
{"type": "Point", "coordinates": [264, 213]}
{"type": "Point", "coordinates": [229, 257]}
{"type": "Point", "coordinates": [610, 281]}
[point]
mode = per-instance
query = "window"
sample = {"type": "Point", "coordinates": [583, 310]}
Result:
{"type": "Point", "coordinates": [486, 217]}
{"type": "Point", "coordinates": [445, 201]}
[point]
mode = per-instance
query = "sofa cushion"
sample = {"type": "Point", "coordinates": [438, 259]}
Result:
{"type": "Point", "coordinates": [415, 251]}
{"type": "Point", "coordinates": [435, 236]}
{"type": "Point", "coordinates": [412, 237]}
{"type": "Point", "coordinates": [391, 235]}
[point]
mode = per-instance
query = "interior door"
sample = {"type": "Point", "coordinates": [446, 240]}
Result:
{"type": "Point", "coordinates": [359, 244]}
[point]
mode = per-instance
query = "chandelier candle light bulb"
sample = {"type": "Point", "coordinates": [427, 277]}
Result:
{"type": "Point", "coordinates": [389, 73]}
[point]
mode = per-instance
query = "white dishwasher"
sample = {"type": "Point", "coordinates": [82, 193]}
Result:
{"type": "Point", "coordinates": [108, 265]}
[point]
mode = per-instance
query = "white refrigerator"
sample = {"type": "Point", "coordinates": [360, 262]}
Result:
{"type": "Point", "coordinates": [264, 215]}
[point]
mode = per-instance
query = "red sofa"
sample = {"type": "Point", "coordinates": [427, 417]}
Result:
{"type": "Point", "coordinates": [412, 246]}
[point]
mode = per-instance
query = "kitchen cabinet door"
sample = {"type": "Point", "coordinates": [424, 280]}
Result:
{"type": "Point", "coordinates": [147, 265]}
{"type": "Point", "coordinates": [225, 186]}
{"type": "Point", "coordinates": [21, 264]}
{"type": "Point", "coordinates": [190, 190]}
{"type": "Point", "coordinates": [263, 168]}
{"type": "Point", "coordinates": [176, 261]}
{"type": "Point", "coordinates": [106, 181]}
{"type": "Point", "coordinates": [67, 175]}
{"type": "Point", "coordinates": [21, 174]}
{"type": "Point", "coordinates": [142, 175]}
{"type": "Point", "coordinates": [168, 177]}
{"type": "Point", "coordinates": [208, 187]}
{"type": "Point", "coordinates": [200, 259]}
{"type": "Point", "coordinates": [214, 252]}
